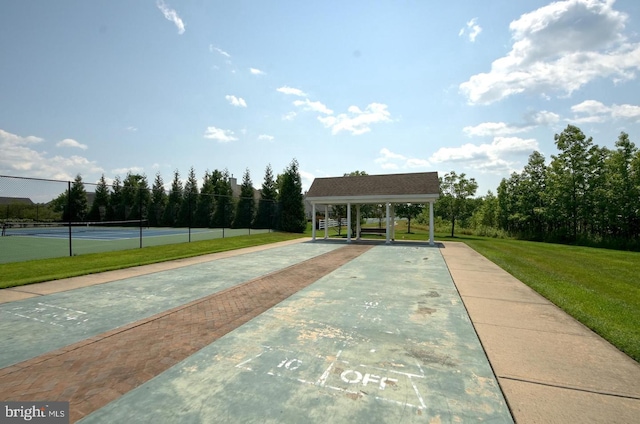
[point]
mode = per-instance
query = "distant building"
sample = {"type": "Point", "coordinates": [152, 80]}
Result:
{"type": "Point", "coordinates": [15, 201]}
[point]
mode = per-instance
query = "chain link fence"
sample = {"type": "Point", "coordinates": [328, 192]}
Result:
{"type": "Point", "coordinates": [43, 218]}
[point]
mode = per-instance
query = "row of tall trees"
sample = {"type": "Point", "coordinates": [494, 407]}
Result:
{"type": "Point", "coordinates": [586, 193]}
{"type": "Point", "coordinates": [279, 204]}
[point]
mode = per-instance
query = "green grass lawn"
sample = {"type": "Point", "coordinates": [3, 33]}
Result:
{"type": "Point", "coordinates": [598, 287]}
{"type": "Point", "coordinates": [28, 272]}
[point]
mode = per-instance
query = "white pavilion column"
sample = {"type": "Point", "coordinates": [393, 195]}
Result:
{"type": "Point", "coordinates": [388, 232]}
{"type": "Point", "coordinates": [326, 222]}
{"type": "Point", "coordinates": [313, 222]}
{"type": "Point", "coordinates": [358, 222]}
{"type": "Point", "coordinates": [393, 223]}
{"type": "Point", "coordinates": [348, 222]}
{"type": "Point", "coordinates": [431, 243]}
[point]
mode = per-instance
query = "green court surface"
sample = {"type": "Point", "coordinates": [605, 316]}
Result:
{"type": "Point", "coordinates": [44, 246]}
{"type": "Point", "coordinates": [41, 324]}
{"type": "Point", "coordinates": [384, 338]}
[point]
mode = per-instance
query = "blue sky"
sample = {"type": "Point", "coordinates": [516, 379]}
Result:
{"type": "Point", "coordinates": [117, 86]}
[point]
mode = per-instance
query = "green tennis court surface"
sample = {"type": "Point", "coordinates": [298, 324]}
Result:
{"type": "Point", "coordinates": [22, 244]}
{"type": "Point", "coordinates": [385, 338]}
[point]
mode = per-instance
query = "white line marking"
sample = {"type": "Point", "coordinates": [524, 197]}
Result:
{"type": "Point", "coordinates": [240, 365]}
{"type": "Point", "coordinates": [418, 393]}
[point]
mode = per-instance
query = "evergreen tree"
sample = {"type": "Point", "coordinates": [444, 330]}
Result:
{"type": "Point", "coordinates": [98, 211]}
{"type": "Point", "coordinates": [245, 209]}
{"type": "Point", "coordinates": [223, 214]}
{"type": "Point", "coordinates": [291, 201]}
{"type": "Point", "coordinates": [135, 197]}
{"type": "Point", "coordinates": [188, 206]}
{"type": "Point", "coordinates": [158, 202]}
{"type": "Point", "coordinates": [170, 217]}
{"type": "Point", "coordinates": [267, 202]}
{"type": "Point", "coordinates": [116, 210]}
{"type": "Point", "coordinates": [206, 202]}
{"type": "Point", "coordinates": [76, 208]}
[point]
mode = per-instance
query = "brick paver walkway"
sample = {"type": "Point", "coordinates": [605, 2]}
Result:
{"type": "Point", "coordinates": [91, 373]}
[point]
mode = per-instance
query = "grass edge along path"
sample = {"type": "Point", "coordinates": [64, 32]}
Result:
{"type": "Point", "coordinates": [16, 274]}
{"type": "Point", "coordinates": [598, 287]}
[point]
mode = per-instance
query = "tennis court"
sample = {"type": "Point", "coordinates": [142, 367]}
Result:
{"type": "Point", "coordinates": [29, 241]}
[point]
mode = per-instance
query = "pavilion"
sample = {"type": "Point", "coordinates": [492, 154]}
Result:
{"type": "Point", "coordinates": [421, 187]}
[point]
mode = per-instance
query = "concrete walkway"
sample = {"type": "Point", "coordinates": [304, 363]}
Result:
{"type": "Point", "coordinates": [551, 368]}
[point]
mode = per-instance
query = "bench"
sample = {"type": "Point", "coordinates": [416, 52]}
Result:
{"type": "Point", "coordinates": [379, 231]}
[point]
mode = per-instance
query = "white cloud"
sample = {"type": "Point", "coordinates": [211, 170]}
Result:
{"type": "Point", "coordinates": [543, 117]}
{"type": "Point", "coordinates": [292, 91]}
{"type": "Point", "coordinates": [473, 30]}
{"type": "Point", "coordinates": [236, 101]}
{"type": "Point", "coordinates": [490, 157]}
{"type": "Point", "coordinates": [625, 111]}
{"type": "Point", "coordinates": [593, 111]}
{"type": "Point", "coordinates": [357, 121]}
{"type": "Point", "coordinates": [128, 170]}
{"type": "Point", "coordinates": [265, 137]}
{"type": "Point", "coordinates": [213, 48]}
{"type": "Point", "coordinates": [531, 121]}
{"type": "Point", "coordinates": [171, 15]}
{"type": "Point", "coordinates": [256, 71]}
{"type": "Point", "coordinates": [289, 116]}
{"type": "Point", "coordinates": [69, 142]}
{"type": "Point", "coordinates": [390, 160]}
{"type": "Point", "coordinates": [308, 105]}
{"type": "Point", "coordinates": [590, 107]}
{"type": "Point", "coordinates": [494, 129]}
{"type": "Point", "coordinates": [223, 136]}
{"type": "Point", "coordinates": [559, 48]}
{"type": "Point", "coordinates": [12, 139]}
{"type": "Point", "coordinates": [20, 158]}
{"type": "Point", "coordinates": [131, 128]}
{"type": "Point", "coordinates": [306, 179]}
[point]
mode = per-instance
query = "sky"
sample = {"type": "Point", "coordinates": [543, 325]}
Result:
{"type": "Point", "coordinates": [108, 87]}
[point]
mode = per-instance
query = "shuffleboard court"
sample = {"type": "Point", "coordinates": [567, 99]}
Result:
{"type": "Point", "coordinates": [34, 326]}
{"type": "Point", "coordinates": [384, 338]}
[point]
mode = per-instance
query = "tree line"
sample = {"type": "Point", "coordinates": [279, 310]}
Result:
{"type": "Point", "coordinates": [279, 206]}
{"type": "Point", "coordinates": [585, 194]}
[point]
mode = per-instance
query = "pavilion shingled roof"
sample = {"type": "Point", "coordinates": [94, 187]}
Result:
{"type": "Point", "coordinates": [419, 183]}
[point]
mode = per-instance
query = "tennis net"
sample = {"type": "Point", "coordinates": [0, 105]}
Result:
{"type": "Point", "coordinates": [35, 228]}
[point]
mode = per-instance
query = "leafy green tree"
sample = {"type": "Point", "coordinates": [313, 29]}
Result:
{"type": "Point", "coordinates": [267, 202]}
{"type": "Point", "coordinates": [486, 216]}
{"type": "Point", "coordinates": [455, 191]}
{"type": "Point", "coordinates": [188, 205]}
{"type": "Point", "coordinates": [158, 201]}
{"type": "Point", "coordinates": [623, 188]}
{"type": "Point", "coordinates": [408, 211]}
{"type": "Point", "coordinates": [98, 211]}
{"type": "Point", "coordinates": [170, 217]}
{"type": "Point", "coordinates": [291, 201]}
{"type": "Point", "coordinates": [568, 179]}
{"type": "Point", "coordinates": [245, 209]}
